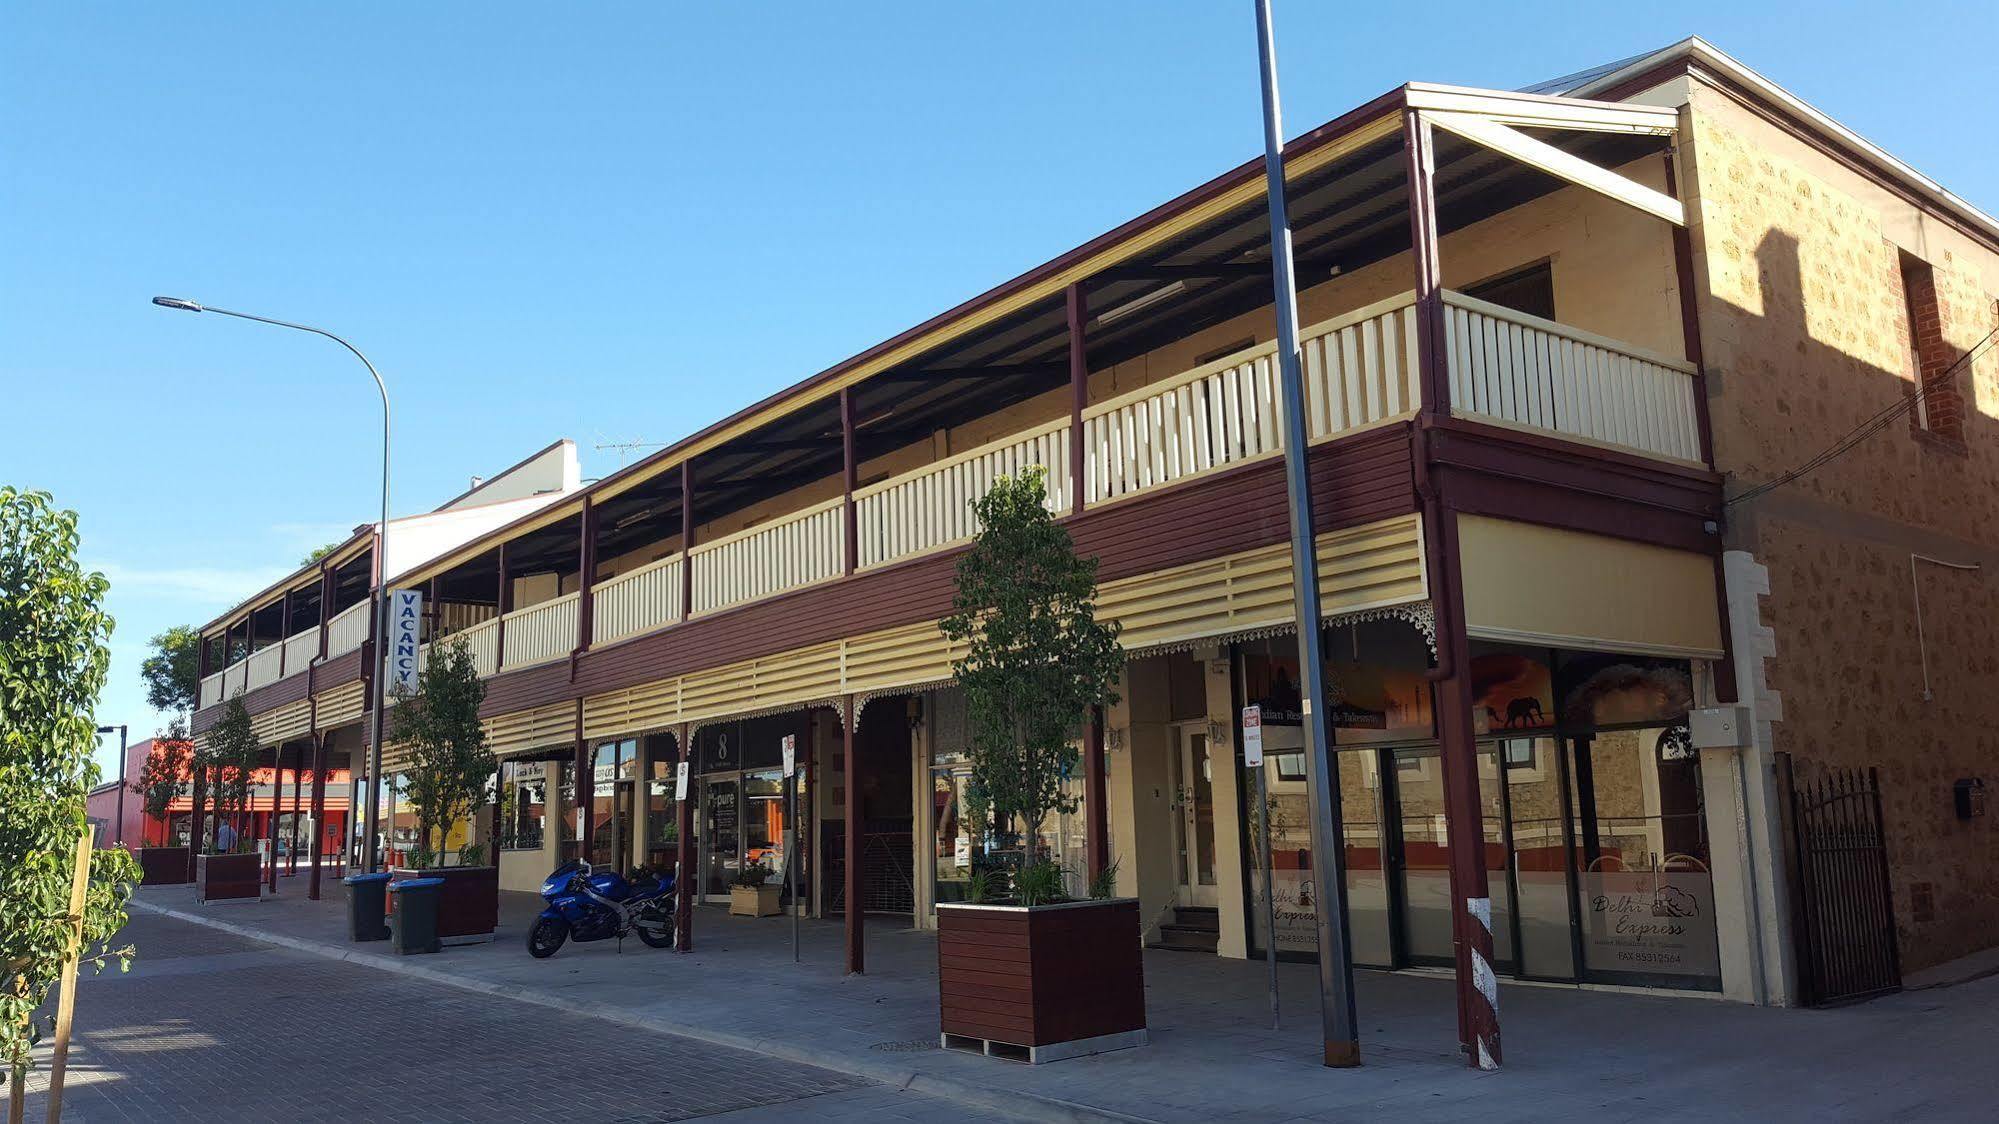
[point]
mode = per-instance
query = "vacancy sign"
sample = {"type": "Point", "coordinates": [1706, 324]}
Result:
{"type": "Point", "coordinates": [405, 628]}
{"type": "Point", "coordinates": [790, 754]}
{"type": "Point", "coordinates": [1252, 736]}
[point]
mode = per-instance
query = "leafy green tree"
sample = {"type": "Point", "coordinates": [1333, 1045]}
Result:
{"type": "Point", "coordinates": [319, 552]}
{"type": "Point", "coordinates": [1037, 657]}
{"type": "Point", "coordinates": [230, 754]}
{"type": "Point", "coordinates": [53, 660]}
{"type": "Point", "coordinates": [164, 775]}
{"type": "Point", "coordinates": [172, 673]}
{"type": "Point", "coordinates": [449, 765]}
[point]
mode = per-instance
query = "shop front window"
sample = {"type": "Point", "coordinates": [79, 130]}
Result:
{"type": "Point", "coordinates": [662, 815]}
{"type": "Point", "coordinates": [523, 804]}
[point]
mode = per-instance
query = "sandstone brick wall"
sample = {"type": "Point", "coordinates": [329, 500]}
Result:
{"type": "Point", "coordinates": [1806, 336]}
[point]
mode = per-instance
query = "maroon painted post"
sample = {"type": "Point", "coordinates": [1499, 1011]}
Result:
{"type": "Point", "coordinates": [1471, 924]}
{"type": "Point", "coordinates": [284, 631]}
{"type": "Point", "coordinates": [318, 813]}
{"type": "Point", "coordinates": [1079, 389]}
{"type": "Point", "coordinates": [586, 790]}
{"type": "Point", "coordinates": [849, 514]}
{"type": "Point", "coordinates": [687, 538]}
{"type": "Point", "coordinates": [1096, 803]}
{"type": "Point", "coordinates": [271, 817]}
{"type": "Point", "coordinates": [503, 603]}
{"type": "Point", "coordinates": [195, 843]}
{"type": "Point", "coordinates": [850, 717]}
{"type": "Point", "coordinates": [586, 576]}
{"type": "Point", "coordinates": [298, 783]}
{"type": "Point", "coordinates": [684, 877]}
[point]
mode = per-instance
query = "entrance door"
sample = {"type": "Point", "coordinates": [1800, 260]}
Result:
{"type": "Point", "coordinates": [1424, 865]}
{"type": "Point", "coordinates": [1194, 831]}
{"type": "Point", "coordinates": [721, 835]}
{"type": "Point", "coordinates": [611, 834]}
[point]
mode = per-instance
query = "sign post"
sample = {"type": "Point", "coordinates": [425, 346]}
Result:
{"type": "Point", "coordinates": [791, 833]}
{"type": "Point", "coordinates": [1252, 758]}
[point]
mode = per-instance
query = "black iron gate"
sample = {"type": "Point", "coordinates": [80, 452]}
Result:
{"type": "Point", "coordinates": [1842, 908]}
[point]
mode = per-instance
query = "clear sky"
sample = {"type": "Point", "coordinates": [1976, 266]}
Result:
{"type": "Point", "coordinates": [621, 222]}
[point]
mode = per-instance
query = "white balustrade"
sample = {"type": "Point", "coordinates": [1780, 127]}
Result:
{"type": "Point", "coordinates": [1519, 369]}
{"type": "Point", "coordinates": [262, 666]}
{"type": "Point", "coordinates": [211, 690]}
{"type": "Point", "coordinates": [541, 632]}
{"type": "Point", "coordinates": [931, 507]}
{"type": "Point", "coordinates": [348, 629]}
{"type": "Point", "coordinates": [792, 552]}
{"type": "Point", "coordinates": [483, 641]}
{"type": "Point", "coordinates": [301, 650]}
{"type": "Point", "coordinates": [234, 679]}
{"type": "Point", "coordinates": [636, 602]}
{"type": "Point", "coordinates": [1360, 368]}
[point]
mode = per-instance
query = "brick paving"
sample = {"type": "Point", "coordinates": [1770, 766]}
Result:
{"type": "Point", "coordinates": [213, 1027]}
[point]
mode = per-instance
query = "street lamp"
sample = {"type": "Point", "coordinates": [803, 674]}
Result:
{"type": "Point", "coordinates": [121, 778]}
{"type": "Point", "coordinates": [381, 598]}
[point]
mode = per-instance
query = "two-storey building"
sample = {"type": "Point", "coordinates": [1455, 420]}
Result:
{"type": "Point", "coordinates": [1550, 336]}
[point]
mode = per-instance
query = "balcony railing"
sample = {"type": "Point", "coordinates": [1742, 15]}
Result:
{"type": "Point", "coordinates": [931, 507]}
{"type": "Point", "coordinates": [1513, 368]}
{"type": "Point", "coordinates": [348, 628]}
{"type": "Point", "coordinates": [756, 563]}
{"type": "Point", "coordinates": [1359, 370]}
{"type": "Point", "coordinates": [636, 602]}
{"type": "Point", "coordinates": [542, 632]}
{"type": "Point", "coordinates": [264, 666]}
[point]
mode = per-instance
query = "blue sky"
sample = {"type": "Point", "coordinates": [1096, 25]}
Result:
{"type": "Point", "coordinates": [619, 223]}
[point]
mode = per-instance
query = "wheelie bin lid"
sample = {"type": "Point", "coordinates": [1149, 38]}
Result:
{"type": "Point", "coordinates": [358, 879]}
{"type": "Point", "coordinates": [414, 884]}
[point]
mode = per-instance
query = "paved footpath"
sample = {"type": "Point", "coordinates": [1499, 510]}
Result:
{"type": "Point", "coordinates": [214, 1027]}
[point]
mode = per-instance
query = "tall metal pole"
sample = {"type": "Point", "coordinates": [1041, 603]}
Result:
{"type": "Point", "coordinates": [378, 686]}
{"type": "Point", "coordinates": [1336, 1002]}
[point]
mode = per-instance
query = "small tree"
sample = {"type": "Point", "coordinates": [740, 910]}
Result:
{"type": "Point", "coordinates": [1037, 660]}
{"type": "Point", "coordinates": [164, 776]}
{"type": "Point", "coordinates": [52, 665]}
{"type": "Point", "coordinates": [230, 754]}
{"type": "Point", "coordinates": [172, 673]}
{"type": "Point", "coordinates": [449, 765]}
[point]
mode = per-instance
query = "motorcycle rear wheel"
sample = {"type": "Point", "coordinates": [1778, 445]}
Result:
{"type": "Point", "coordinates": [655, 932]}
{"type": "Point", "coordinates": [546, 936]}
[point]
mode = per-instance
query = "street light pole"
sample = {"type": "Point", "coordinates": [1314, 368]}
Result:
{"type": "Point", "coordinates": [377, 687]}
{"type": "Point", "coordinates": [119, 836]}
{"type": "Point", "coordinates": [1336, 1001]}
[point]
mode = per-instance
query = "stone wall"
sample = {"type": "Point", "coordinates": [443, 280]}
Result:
{"type": "Point", "coordinates": [1806, 337]}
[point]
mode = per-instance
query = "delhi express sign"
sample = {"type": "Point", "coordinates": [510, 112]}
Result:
{"type": "Point", "coordinates": [405, 626]}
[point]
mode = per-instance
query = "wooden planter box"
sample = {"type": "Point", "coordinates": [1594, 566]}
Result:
{"type": "Point", "coordinates": [163, 866]}
{"type": "Point", "coordinates": [468, 904]}
{"type": "Point", "coordinates": [754, 901]}
{"type": "Point", "coordinates": [228, 877]}
{"type": "Point", "coordinates": [1041, 983]}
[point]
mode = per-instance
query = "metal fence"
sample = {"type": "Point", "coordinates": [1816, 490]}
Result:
{"type": "Point", "coordinates": [1842, 905]}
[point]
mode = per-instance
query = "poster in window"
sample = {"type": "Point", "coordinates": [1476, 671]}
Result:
{"type": "Point", "coordinates": [1600, 689]}
{"type": "Point", "coordinates": [1512, 689]}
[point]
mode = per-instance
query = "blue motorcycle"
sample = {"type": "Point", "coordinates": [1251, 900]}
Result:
{"type": "Point", "coordinates": [587, 904]}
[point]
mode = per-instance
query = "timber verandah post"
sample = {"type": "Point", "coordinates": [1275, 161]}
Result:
{"type": "Point", "coordinates": [1471, 914]}
{"type": "Point", "coordinates": [850, 718]}
{"type": "Point", "coordinates": [684, 857]}
{"type": "Point", "coordinates": [1077, 304]}
{"type": "Point", "coordinates": [318, 813]}
{"type": "Point", "coordinates": [850, 474]}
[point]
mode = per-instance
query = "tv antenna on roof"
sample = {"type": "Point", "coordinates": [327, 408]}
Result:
{"type": "Point", "coordinates": [627, 448]}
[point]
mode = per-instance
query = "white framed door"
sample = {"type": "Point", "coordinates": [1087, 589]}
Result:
{"type": "Point", "coordinates": [1193, 775]}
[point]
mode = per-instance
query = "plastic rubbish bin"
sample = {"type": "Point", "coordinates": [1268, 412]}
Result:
{"type": "Point", "coordinates": [415, 925]}
{"type": "Point", "coordinates": [366, 899]}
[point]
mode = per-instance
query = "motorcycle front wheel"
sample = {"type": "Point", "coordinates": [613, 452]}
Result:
{"type": "Point", "coordinates": [547, 936]}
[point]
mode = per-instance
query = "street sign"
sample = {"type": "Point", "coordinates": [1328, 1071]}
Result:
{"type": "Point", "coordinates": [790, 754]}
{"type": "Point", "coordinates": [680, 781]}
{"type": "Point", "coordinates": [405, 629]}
{"type": "Point", "coordinates": [1252, 736]}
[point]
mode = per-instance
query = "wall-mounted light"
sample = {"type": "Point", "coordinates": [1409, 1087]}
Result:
{"type": "Point", "coordinates": [1114, 738]}
{"type": "Point", "coordinates": [1218, 734]}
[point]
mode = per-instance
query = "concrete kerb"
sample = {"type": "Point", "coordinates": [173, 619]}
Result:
{"type": "Point", "coordinates": [1030, 1106]}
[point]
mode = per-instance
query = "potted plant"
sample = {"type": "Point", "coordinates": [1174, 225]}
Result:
{"type": "Point", "coordinates": [752, 893]}
{"type": "Point", "coordinates": [1036, 974]}
{"type": "Point", "coordinates": [161, 781]}
{"type": "Point", "coordinates": [446, 781]}
{"type": "Point", "coordinates": [227, 866]}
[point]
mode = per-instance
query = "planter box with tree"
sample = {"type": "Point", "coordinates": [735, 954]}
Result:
{"type": "Point", "coordinates": [445, 780]}
{"type": "Point", "coordinates": [753, 894]}
{"type": "Point", "coordinates": [231, 872]}
{"type": "Point", "coordinates": [1036, 975]}
{"type": "Point", "coordinates": [161, 780]}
